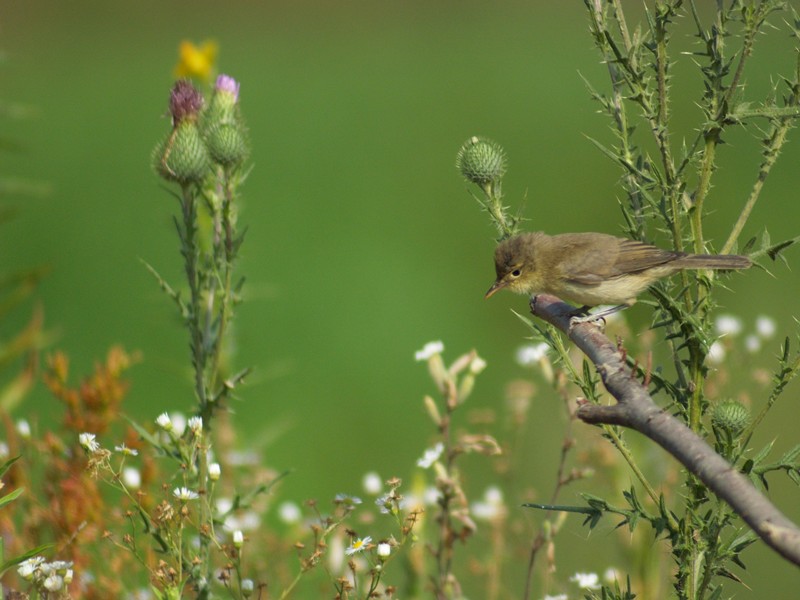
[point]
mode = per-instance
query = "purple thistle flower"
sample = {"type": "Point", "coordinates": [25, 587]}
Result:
{"type": "Point", "coordinates": [184, 101]}
{"type": "Point", "coordinates": [227, 84]}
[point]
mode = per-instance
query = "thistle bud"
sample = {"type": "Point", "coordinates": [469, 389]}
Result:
{"type": "Point", "coordinates": [224, 131]}
{"type": "Point", "coordinates": [225, 98]}
{"type": "Point", "coordinates": [731, 416]}
{"type": "Point", "coordinates": [182, 156]}
{"type": "Point", "coordinates": [481, 161]}
{"type": "Point", "coordinates": [227, 144]}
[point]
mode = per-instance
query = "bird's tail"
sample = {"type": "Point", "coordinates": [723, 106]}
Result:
{"type": "Point", "coordinates": [713, 261]}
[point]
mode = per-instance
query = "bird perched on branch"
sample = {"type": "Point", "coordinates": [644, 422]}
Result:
{"type": "Point", "coordinates": [591, 269]}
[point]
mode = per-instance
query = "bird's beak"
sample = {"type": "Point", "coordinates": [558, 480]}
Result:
{"type": "Point", "coordinates": [496, 287]}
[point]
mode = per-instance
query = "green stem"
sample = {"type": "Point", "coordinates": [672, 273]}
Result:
{"type": "Point", "coordinates": [205, 514]}
{"type": "Point", "coordinates": [755, 193]}
{"type": "Point", "coordinates": [227, 267]}
{"type": "Point", "coordinates": [706, 170]}
{"type": "Point", "coordinates": [494, 206]}
{"type": "Point", "coordinates": [616, 440]}
{"type": "Point", "coordinates": [191, 256]}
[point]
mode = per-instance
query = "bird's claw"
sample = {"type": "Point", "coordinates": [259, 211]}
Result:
{"type": "Point", "coordinates": [580, 319]}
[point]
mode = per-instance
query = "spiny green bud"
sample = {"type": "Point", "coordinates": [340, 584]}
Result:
{"type": "Point", "coordinates": [481, 161]}
{"type": "Point", "coordinates": [731, 416]}
{"type": "Point", "coordinates": [226, 144]}
{"type": "Point", "coordinates": [182, 156]}
{"type": "Point", "coordinates": [222, 124]}
{"type": "Point", "coordinates": [225, 99]}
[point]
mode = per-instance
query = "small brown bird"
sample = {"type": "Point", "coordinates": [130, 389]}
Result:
{"type": "Point", "coordinates": [592, 268]}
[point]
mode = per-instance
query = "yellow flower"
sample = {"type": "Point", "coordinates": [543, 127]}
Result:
{"type": "Point", "coordinates": [197, 61]}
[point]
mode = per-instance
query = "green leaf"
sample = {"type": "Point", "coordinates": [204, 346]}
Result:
{"type": "Point", "coordinates": [763, 453]}
{"type": "Point", "coordinates": [176, 297]}
{"type": "Point", "coordinates": [10, 497]}
{"type": "Point", "coordinates": [789, 456]}
{"type": "Point", "coordinates": [583, 510]}
{"type": "Point", "coordinates": [22, 557]}
{"type": "Point", "coordinates": [151, 439]}
{"type": "Point", "coordinates": [7, 465]}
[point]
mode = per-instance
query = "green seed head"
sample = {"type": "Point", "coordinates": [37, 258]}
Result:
{"type": "Point", "coordinates": [731, 416]}
{"type": "Point", "coordinates": [182, 156]}
{"type": "Point", "coordinates": [481, 161]}
{"type": "Point", "coordinates": [227, 144]}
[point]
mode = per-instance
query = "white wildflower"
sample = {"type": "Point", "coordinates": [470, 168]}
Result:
{"type": "Point", "coordinates": [164, 422]}
{"type": "Point", "coordinates": [184, 494]}
{"type": "Point", "coordinates": [123, 449]}
{"type": "Point", "coordinates": [477, 365]}
{"type": "Point", "coordinates": [430, 349]}
{"type": "Point", "coordinates": [431, 456]}
{"type": "Point", "coordinates": [358, 545]}
{"type": "Point", "coordinates": [372, 483]}
{"type": "Point", "coordinates": [765, 326]}
{"type": "Point", "coordinates": [132, 478]}
{"type": "Point", "coordinates": [196, 425]}
{"type": "Point", "coordinates": [752, 343]}
{"type": "Point", "coordinates": [289, 512]}
{"type": "Point", "coordinates": [88, 442]}
{"type": "Point", "coordinates": [238, 538]}
{"type": "Point", "coordinates": [491, 506]}
{"type": "Point", "coordinates": [27, 568]}
{"type": "Point", "coordinates": [531, 354]}
{"type": "Point", "coordinates": [24, 429]}
{"type": "Point", "coordinates": [716, 353]}
{"type": "Point", "coordinates": [53, 582]}
{"type": "Point", "coordinates": [384, 550]}
{"type": "Point", "coordinates": [586, 581]}
{"type": "Point", "coordinates": [178, 423]}
{"type": "Point", "coordinates": [728, 325]}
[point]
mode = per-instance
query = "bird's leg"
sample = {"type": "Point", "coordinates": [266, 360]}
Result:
{"type": "Point", "coordinates": [587, 317]}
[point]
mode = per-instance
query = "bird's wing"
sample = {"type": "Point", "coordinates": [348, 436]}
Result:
{"type": "Point", "coordinates": [637, 256]}
{"type": "Point", "coordinates": [593, 261]}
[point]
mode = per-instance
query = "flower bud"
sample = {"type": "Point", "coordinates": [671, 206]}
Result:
{"type": "Point", "coordinates": [182, 156]}
{"type": "Point", "coordinates": [238, 538]}
{"type": "Point", "coordinates": [384, 550]}
{"type": "Point", "coordinates": [731, 416]}
{"type": "Point", "coordinates": [227, 144]}
{"type": "Point", "coordinates": [224, 132]}
{"type": "Point", "coordinates": [481, 161]}
{"type": "Point", "coordinates": [225, 99]}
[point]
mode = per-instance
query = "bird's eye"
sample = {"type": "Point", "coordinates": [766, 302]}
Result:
{"type": "Point", "coordinates": [516, 273]}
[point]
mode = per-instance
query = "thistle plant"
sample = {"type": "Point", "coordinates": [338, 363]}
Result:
{"type": "Point", "coordinates": [483, 162]}
{"type": "Point", "coordinates": [668, 191]}
{"type": "Point", "coordinates": [204, 155]}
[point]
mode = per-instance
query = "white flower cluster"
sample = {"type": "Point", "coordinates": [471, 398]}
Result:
{"type": "Point", "coordinates": [47, 576]}
{"type": "Point", "coordinates": [430, 349]}
{"type": "Point", "coordinates": [731, 326]}
{"type": "Point", "coordinates": [431, 456]}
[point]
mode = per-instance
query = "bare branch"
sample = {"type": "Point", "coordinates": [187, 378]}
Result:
{"type": "Point", "coordinates": [637, 410]}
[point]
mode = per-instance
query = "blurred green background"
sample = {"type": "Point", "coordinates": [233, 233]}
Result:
{"type": "Point", "coordinates": [363, 242]}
